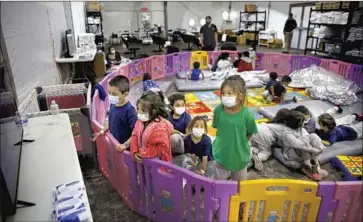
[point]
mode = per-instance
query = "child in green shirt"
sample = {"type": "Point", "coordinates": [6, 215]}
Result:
{"type": "Point", "coordinates": [235, 125]}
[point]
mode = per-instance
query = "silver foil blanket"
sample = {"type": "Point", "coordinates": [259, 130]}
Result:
{"type": "Point", "coordinates": [325, 85]}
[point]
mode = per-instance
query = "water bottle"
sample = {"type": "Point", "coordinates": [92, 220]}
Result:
{"type": "Point", "coordinates": [21, 122]}
{"type": "Point", "coordinates": [54, 109]}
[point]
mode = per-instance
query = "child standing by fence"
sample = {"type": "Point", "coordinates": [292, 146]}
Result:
{"type": "Point", "coordinates": [151, 135]}
{"type": "Point", "coordinates": [235, 125]}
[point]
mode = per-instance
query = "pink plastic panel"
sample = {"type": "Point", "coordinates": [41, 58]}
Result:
{"type": "Point", "coordinates": [148, 65]}
{"type": "Point", "coordinates": [214, 55]}
{"type": "Point", "coordinates": [139, 70]}
{"type": "Point", "coordinates": [276, 62]}
{"type": "Point", "coordinates": [67, 101]}
{"type": "Point", "coordinates": [157, 67]}
{"type": "Point", "coordinates": [123, 71]}
{"type": "Point", "coordinates": [343, 192]}
{"type": "Point", "coordinates": [356, 74]}
{"type": "Point", "coordinates": [338, 67]}
{"type": "Point", "coordinates": [121, 180]}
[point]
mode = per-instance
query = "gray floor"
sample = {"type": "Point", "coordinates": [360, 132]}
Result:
{"type": "Point", "coordinates": [106, 205]}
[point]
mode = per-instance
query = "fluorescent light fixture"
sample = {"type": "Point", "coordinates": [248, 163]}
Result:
{"type": "Point", "coordinates": [225, 15]}
{"type": "Point", "coordinates": [234, 14]}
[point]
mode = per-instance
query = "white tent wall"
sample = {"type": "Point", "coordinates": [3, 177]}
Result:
{"type": "Point", "coordinates": [33, 40]}
{"type": "Point", "coordinates": [116, 15]}
{"type": "Point", "coordinates": [179, 13]}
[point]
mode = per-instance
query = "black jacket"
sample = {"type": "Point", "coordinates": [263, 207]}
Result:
{"type": "Point", "coordinates": [290, 25]}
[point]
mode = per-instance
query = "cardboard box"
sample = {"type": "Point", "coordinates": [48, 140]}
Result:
{"type": "Point", "coordinates": [93, 7]}
{"type": "Point", "coordinates": [241, 40]}
{"type": "Point", "coordinates": [250, 8]}
{"type": "Point", "coordinates": [275, 43]}
{"type": "Point", "coordinates": [229, 32]}
{"type": "Point", "coordinates": [251, 36]}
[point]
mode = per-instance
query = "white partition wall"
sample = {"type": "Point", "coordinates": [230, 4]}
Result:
{"type": "Point", "coordinates": [32, 33]}
{"type": "Point", "coordinates": [78, 18]}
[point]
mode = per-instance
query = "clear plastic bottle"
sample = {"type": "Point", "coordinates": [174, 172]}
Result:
{"type": "Point", "coordinates": [21, 121]}
{"type": "Point", "coordinates": [54, 109]}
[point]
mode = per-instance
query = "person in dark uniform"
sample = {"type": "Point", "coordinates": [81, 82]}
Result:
{"type": "Point", "coordinates": [289, 27]}
{"type": "Point", "coordinates": [208, 35]}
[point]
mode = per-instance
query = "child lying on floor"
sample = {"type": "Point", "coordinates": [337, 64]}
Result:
{"type": "Point", "coordinates": [309, 122]}
{"type": "Point", "coordinates": [267, 136]}
{"type": "Point", "coordinates": [198, 146]}
{"type": "Point", "coordinates": [299, 146]}
{"type": "Point", "coordinates": [331, 131]}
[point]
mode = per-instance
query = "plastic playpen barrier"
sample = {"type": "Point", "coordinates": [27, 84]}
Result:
{"type": "Point", "coordinates": [159, 196]}
{"type": "Point", "coordinates": [356, 74]}
{"type": "Point", "coordinates": [336, 66]}
{"type": "Point", "coordinates": [201, 57]}
{"type": "Point", "coordinates": [301, 62]}
{"type": "Point", "coordinates": [276, 62]}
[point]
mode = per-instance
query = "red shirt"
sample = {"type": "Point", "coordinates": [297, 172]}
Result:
{"type": "Point", "coordinates": [244, 66]}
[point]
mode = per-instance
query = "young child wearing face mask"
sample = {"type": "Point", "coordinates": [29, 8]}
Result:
{"type": "Point", "coordinates": [113, 57]}
{"type": "Point", "coordinates": [198, 146]}
{"type": "Point", "coordinates": [252, 51]}
{"type": "Point", "coordinates": [122, 115]}
{"type": "Point", "coordinates": [151, 135]}
{"type": "Point", "coordinates": [180, 120]}
{"type": "Point", "coordinates": [246, 63]}
{"type": "Point", "coordinates": [235, 125]}
{"type": "Point", "coordinates": [309, 122]}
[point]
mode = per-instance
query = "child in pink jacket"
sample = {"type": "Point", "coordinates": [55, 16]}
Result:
{"type": "Point", "coordinates": [151, 135]}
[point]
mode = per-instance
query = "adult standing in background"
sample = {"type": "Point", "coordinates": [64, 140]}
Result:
{"type": "Point", "coordinates": [290, 25]}
{"type": "Point", "coordinates": [208, 35]}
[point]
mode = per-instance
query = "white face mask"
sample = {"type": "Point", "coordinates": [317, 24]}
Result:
{"type": "Point", "coordinates": [198, 132]}
{"type": "Point", "coordinates": [317, 126]}
{"type": "Point", "coordinates": [180, 110]}
{"type": "Point", "coordinates": [251, 49]}
{"type": "Point", "coordinates": [112, 51]}
{"type": "Point", "coordinates": [229, 101]}
{"type": "Point", "coordinates": [113, 99]}
{"type": "Point", "coordinates": [306, 121]}
{"type": "Point", "coordinates": [144, 117]}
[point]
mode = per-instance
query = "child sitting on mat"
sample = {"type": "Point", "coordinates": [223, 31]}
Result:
{"type": "Point", "coordinates": [122, 115]}
{"type": "Point", "coordinates": [222, 57]}
{"type": "Point", "coordinates": [151, 135]}
{"type": "Point", "coordinates": [276, 93]}
{"type": "Point", "coordinates": [299, 146]}
{"type": "Point", "coordinates": [331, 131]}
{"type": "Point", "coordinates": [238, 59]}
{"type": "Point", "coordinates": [267, 136]}
{"type": "Point", "coordinates": [245, 64]}
{"type": "Point", "coordinates": [270, 83]}
{"type": "Point", "coordinates": [180, 120]}
{"type": "Point", "coordinates": [309, 122]}
{"type": "Point", "coordinates": [149, 84]}
{"type": "Point", "coordinates": [198, 146]}
{"type": "Point", "coordinates": [195, 72]}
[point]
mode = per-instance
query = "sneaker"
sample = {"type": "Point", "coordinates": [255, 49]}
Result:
{"type": "Point", "coordinates": [323, 173]}
{"type": "Point", "coordinates": [257, 162]}
{"type": "Point", "coordinates": [309, 171]}
{"type": "Point", "coordinates": [358, 116]}
{"type": "Point", "coordinates": [294, 99]}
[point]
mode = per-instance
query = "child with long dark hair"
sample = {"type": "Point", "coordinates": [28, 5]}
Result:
{"type": "Point", "coordinates": [151, 135]}
{"type": "Point", "coordinates": [235, 125]}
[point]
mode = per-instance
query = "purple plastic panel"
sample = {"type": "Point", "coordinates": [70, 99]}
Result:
{"type": "Point", "coordinates": [169, 63]}
{"type": "Point", "coordinates": [356, 74]}
{"type": "Point", "coordinates": [167, 191]}
{"type": "Point", "coordinates": [222, 191]}
{"type": "Point", "coordinates": [328, 204]}
{"type": "Point", "coordinates": [300, 62]}
{"type": "Point", "coordinates": [139, 67]}
{"type": "Point", "coordinates": [184, 62]}
{"type": "Point", "coordinates": [343, 192]}
{"type": "Point", "coordinates": [259, 59]}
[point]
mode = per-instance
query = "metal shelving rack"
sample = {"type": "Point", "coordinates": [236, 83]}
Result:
{"type": "Point", "coordinates": [256, 13]}
{"type": "Point", "coordinates": [339, 40]}
{"type": "Point", "coordinates": [99, 36]}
